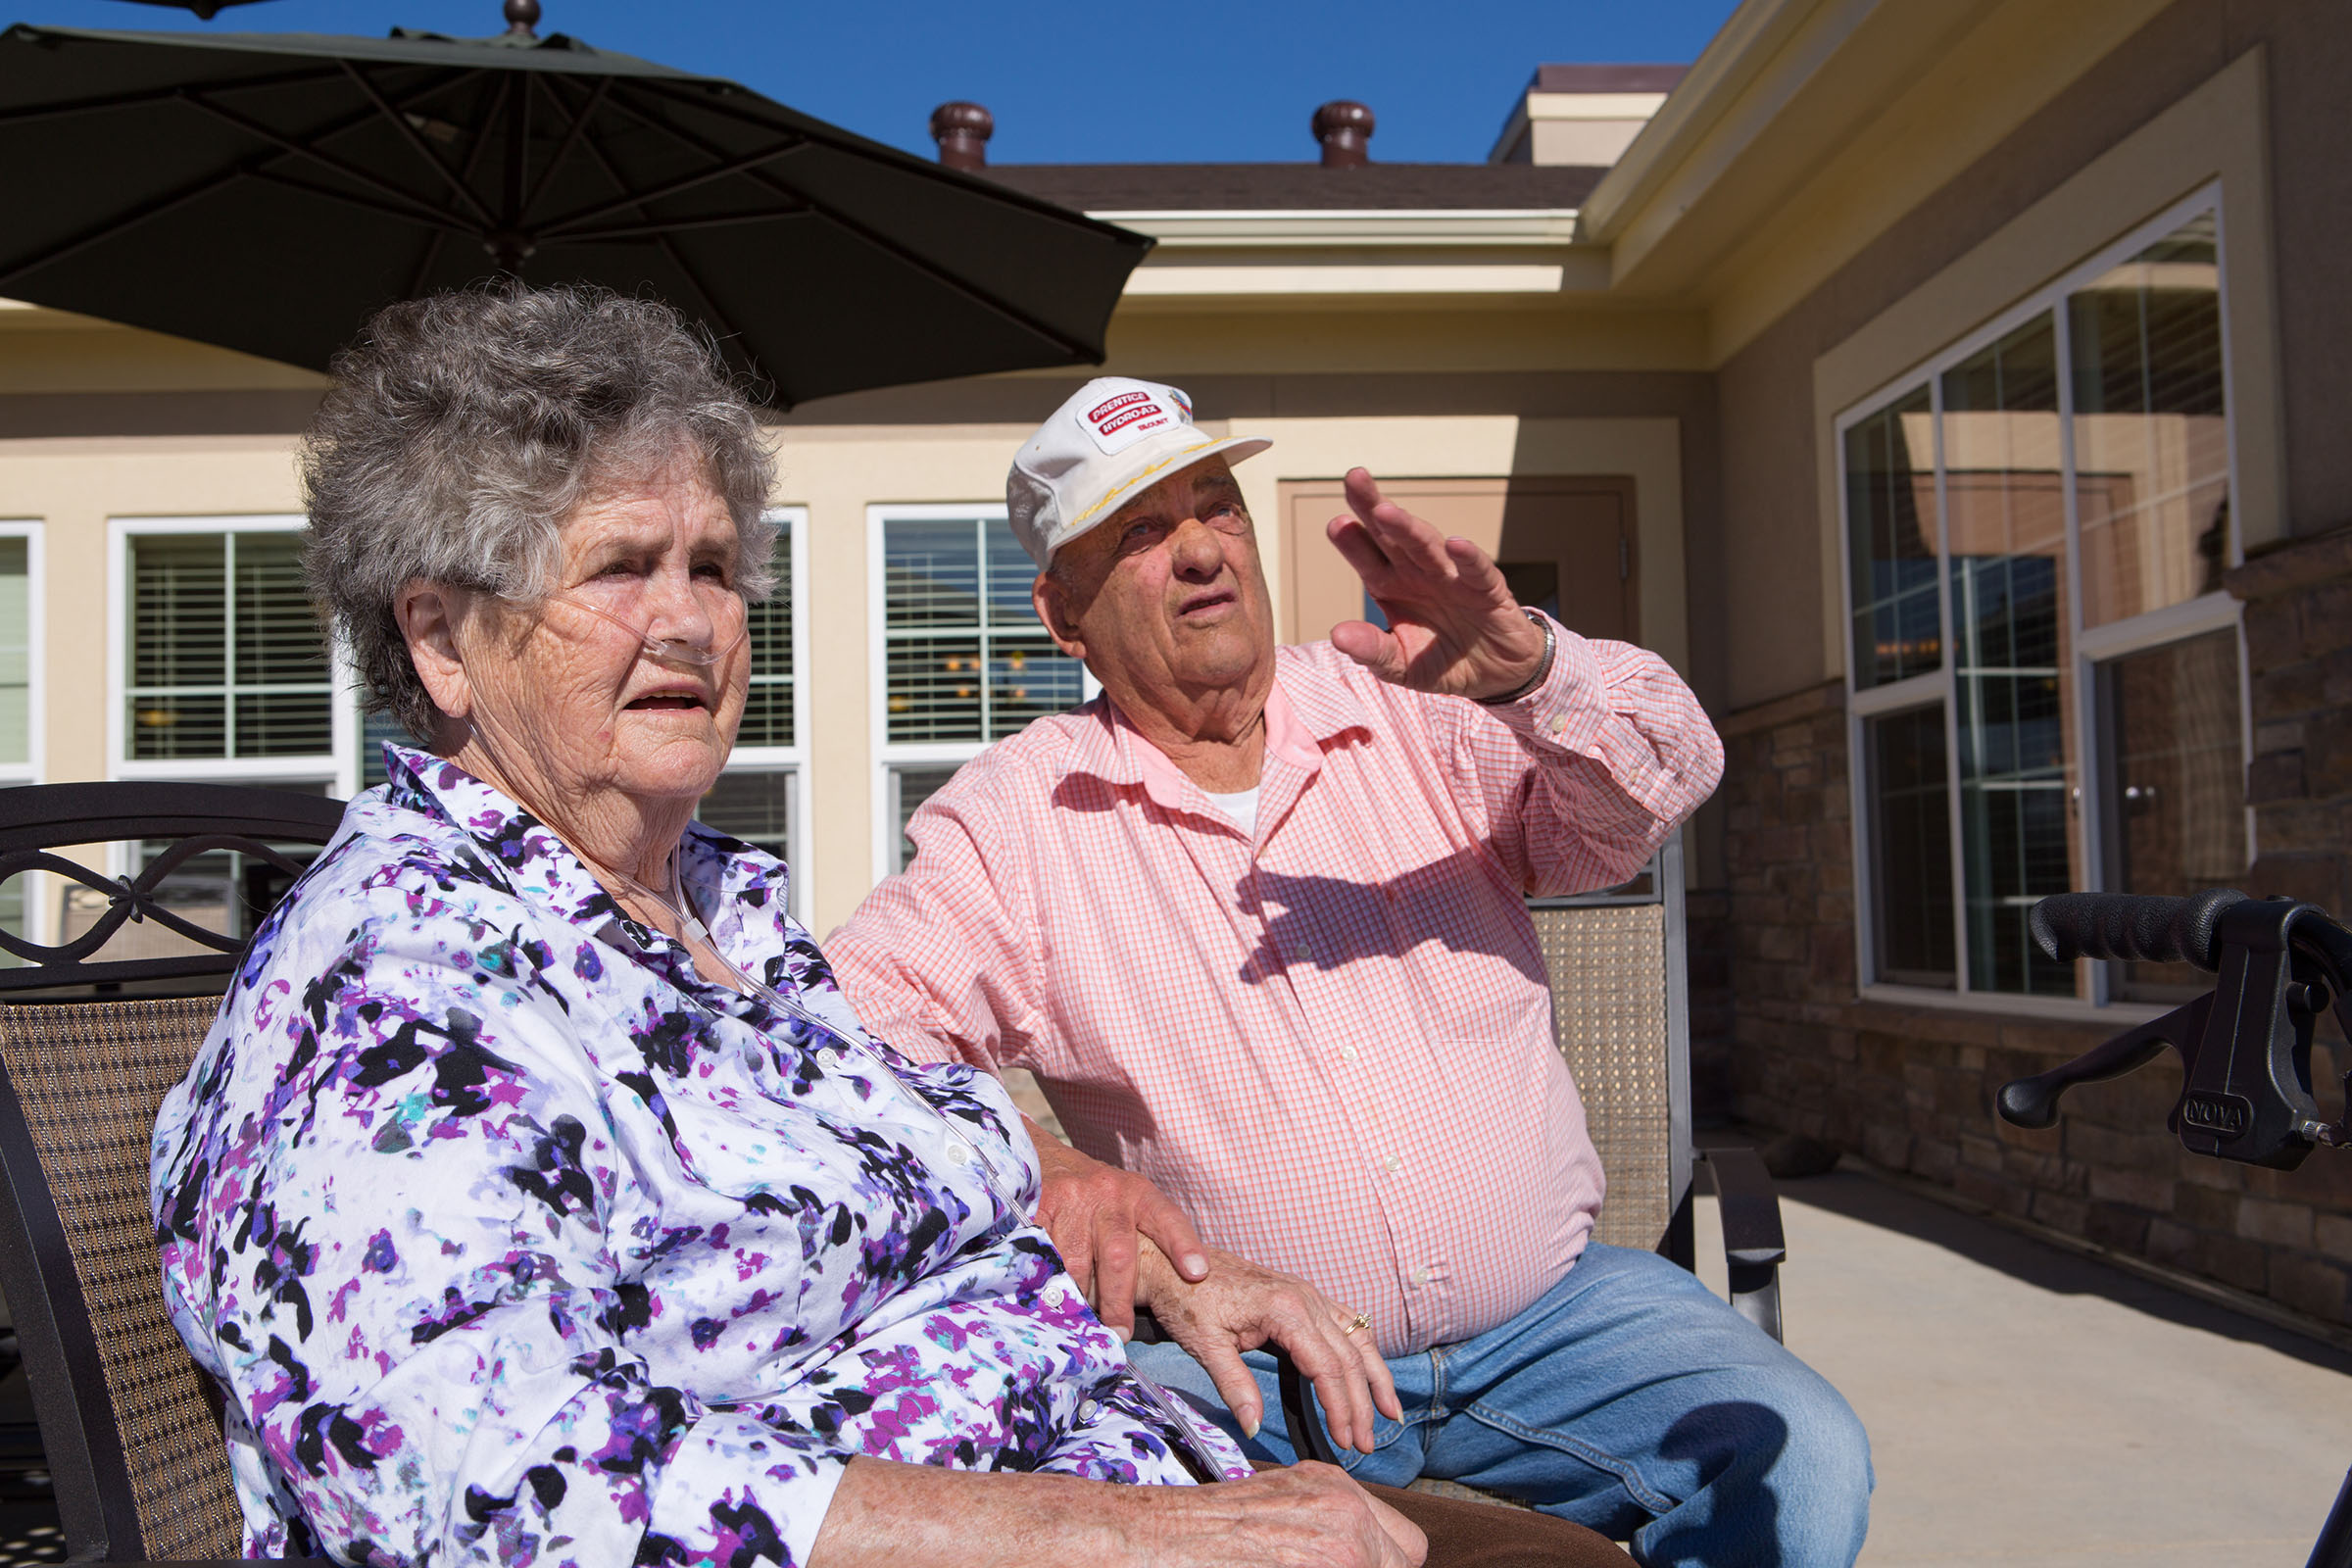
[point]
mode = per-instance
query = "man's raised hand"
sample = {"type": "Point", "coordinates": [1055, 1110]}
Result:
{"type": "Point", "coordinates": [1454, 627]}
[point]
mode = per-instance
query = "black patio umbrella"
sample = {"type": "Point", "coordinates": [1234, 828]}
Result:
{"type": "Point", "coordinates": [206, 10]}
{"type": "Point", "coordinates": [267, 191]}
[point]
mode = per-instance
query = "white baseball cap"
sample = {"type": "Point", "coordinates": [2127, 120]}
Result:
{"type": "Point", "coordinates": [1116, 439]}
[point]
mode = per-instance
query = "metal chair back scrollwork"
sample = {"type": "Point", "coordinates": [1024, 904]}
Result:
{"type": "Point", "coordinates": [90, 1041]}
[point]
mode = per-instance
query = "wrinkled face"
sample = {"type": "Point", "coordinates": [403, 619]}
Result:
{"type": "Point", "coordinates": [1166, 602]}
{"type": "Point", "coordinates": [570, 683]}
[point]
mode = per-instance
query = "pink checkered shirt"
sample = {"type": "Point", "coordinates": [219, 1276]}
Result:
{"type": "Point", "coordinates": [1331, 1045]}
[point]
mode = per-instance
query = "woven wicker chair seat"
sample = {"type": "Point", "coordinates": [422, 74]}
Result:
{"type": "Point", "coordinates": [1608, 1018]}
{"type": "Point", "coordinates": [91, 1077]}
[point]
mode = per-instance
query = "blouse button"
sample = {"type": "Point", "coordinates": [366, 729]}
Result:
{"type": "Point", "coordinates": [958, 1152]}
{"type": "Point", "coordinates": [1087, 1409]}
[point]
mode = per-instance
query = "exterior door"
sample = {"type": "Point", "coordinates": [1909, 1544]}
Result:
{"type": "Point", "coordinates": [1566, 546]}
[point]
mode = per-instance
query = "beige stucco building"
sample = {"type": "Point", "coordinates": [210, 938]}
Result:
{"type": "Point", "coordinates": [1948, 387]}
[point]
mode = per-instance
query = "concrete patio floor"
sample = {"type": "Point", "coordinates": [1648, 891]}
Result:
{"type": "Point", "coordinates": [2029, 1405]}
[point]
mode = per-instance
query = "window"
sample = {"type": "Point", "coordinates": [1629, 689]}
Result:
{"type": "Point", "coordinates": [2045, 676]}
{"type": "Point", "coordinates": [961, 659]}
{"type": "Point", "coordinates": [759, 799]}
{"type": "Point", "coordinates": [221, 665]}
{"type": "Point", "coordinates": [219, 671]}
{"type": "Point", "coordinates": [19, 691]}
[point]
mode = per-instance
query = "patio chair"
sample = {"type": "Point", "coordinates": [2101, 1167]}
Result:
{"type": "Point", "coordinates": [88, 1046]}
{"type": "Point", "coordinates": [1620, 1015]}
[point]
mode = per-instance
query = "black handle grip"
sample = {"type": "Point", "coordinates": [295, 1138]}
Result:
{"type": "Point", "coordinates": [2133, 926]}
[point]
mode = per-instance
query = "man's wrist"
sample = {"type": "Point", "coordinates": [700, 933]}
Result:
{"type": "Point", "coordinates": [1551, 648]}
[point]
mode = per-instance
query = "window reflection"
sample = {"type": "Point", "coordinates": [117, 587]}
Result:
{"type": "Point", "coordinates": [2151, 446]}
{"type": "Point", "coordinates": [2017, 765]}
{"type": "Point", "coordinates": [1911, 842]}
{"type": "Point", "coordinates": [2174, 803]}
{"type": "Point", "coordinates": [1890, 540]}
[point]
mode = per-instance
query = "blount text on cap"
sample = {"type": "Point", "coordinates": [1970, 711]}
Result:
{"type": "Point", "coordinates": [1112, 440]}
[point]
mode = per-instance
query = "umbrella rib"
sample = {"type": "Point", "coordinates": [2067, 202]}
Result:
{"type": "Point", "coordinates": [116, 225]}
{"type": "Point", "coordinates": [432, 249]}
{"type": "Point", "coordinates": [408, 133]}
{"type": "Point", "coordinates": [1077, 350]}
{"type": "Point", "coordinates": [859, 147]}
{"type": "Point", "coordinates": [592, 237]}
{"type": "Point", "coordinates": [571, 137]}
{"type": "Point", "coordinates": [441, 224]}
{"type": "Point", "coordinates": [693, 281]}
{"type": "Point", "coordinates": [154, 95]}
{"type": "Point", "coordinates": [556, 228]}
{"type": "Point", "coordinates": [285, 143]}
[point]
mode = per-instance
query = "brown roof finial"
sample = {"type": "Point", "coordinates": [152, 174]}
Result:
{"type": "Point", "coordinates": [961, 131]}
{"type": "Point", "coordinates": [1344, 128]}
{"type": "Point", "coordinates": [523, 16]}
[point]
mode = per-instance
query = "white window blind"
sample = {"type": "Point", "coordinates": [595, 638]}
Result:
{"type": "Point", "coordinates": [963, 659]}
{"type": "Point", "coordinates": [227, 659]}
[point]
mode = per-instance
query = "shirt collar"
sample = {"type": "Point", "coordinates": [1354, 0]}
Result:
{"type": "Point", "coordinates": [524, 854]}
{"type": "Point", "coordinates": [1303, 713]}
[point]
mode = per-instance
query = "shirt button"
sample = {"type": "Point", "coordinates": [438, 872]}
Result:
{"type": "Point", "coordinates": [1392, 1164]}
{"type": "Point", "coordinates": [1421, 1275]}
{"type": "Point", "coordinates": [1559, 722]}
{"type": "Point", "coordinates": [958, 1152]}
{"type": "Point", "coordinates": [1087, 1409]}
{"type": "Point", "coordinates": [1347, 1053]}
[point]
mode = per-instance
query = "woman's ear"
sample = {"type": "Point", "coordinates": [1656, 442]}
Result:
{"type": "Point", "coordinates": [1045, 594]}
{"type": "Point", "coordinates": [429, 614]}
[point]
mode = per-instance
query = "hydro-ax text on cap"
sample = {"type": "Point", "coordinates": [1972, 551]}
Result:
{"type": "Point", "coordinates": [1116, 439]}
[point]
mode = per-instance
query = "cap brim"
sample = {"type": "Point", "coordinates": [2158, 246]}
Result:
{"type": "Point", "coordinates": [1232, 448]}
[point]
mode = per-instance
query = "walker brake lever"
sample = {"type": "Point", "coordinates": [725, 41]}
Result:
{"type": "Point", "coordinates": [2245, 1050]}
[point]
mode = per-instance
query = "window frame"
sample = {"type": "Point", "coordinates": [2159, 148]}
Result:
{"type": "Point", "coordinates": [793, 528]}
{"type": "Point", "coordinates": [337, 766]}
{"type": "Point", "coordinates": [2091, 647]}
{"type": "Point", "coordinates": [34, 766]}
{"type": "Point", "coordinates": [890, 755]}
{"type": "Point", "coordinates": [36, 915]}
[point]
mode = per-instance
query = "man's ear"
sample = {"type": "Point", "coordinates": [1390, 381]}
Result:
{"type": "Point", "coordinates": [428, 614]}
{"type": "Point", "coordinates": [1046, 595]}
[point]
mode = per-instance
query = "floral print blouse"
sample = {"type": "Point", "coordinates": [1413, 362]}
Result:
{"type": "Point", "coordinates": [509, 1238]}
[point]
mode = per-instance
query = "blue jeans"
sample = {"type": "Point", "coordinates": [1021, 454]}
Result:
{"type": "Point", "coordinates": [1628, 1399]}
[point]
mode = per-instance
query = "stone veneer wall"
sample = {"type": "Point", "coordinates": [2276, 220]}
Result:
{"type": "Point", "coordinates": [1909, 1088]}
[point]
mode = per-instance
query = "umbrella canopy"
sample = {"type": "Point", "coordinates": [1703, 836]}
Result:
{"type": "Point", "coordinates": [204, 10]}
{"type": "Point", "coordinates": [267, 191]}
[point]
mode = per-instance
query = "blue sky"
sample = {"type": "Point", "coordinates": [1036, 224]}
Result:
{"type": "Point", "coordinates": [1069, 81]}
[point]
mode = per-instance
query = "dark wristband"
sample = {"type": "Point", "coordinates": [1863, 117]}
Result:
{"type": "Point", "coordinates": [1551, 646]}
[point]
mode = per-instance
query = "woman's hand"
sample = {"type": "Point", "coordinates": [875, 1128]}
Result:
{"type": "Point", "coordinates": [885, 1515]}
{"type": "Point", "coordinates": [1241, 1307]}
{"type": "Point", "coordinates": [1307, 1514]}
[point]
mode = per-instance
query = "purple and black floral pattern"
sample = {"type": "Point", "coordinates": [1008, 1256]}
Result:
{"type": "Point", "coordinates": [510, 1238]}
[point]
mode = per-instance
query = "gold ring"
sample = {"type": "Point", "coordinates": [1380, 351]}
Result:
{"type": "Point", "coordinates": [1363, 1320]}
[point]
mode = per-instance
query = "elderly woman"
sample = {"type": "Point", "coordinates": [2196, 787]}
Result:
{"type": "Point", "coordinates": [536, 1196]}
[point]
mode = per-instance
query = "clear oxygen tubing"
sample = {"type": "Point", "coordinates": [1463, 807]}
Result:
{"type": "Point", "coordinates": [1194, 1452]}
{"type": "Point", "coordinates": [663, 649]}
{"type": "Point", "coordinates": [1196, 1455]}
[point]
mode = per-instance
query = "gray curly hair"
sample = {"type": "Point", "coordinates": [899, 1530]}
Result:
{"type": "Point", "coordinates": [465, 429]}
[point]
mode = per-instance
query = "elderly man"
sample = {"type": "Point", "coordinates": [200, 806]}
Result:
{"type": "Point", "coordinates": [1255, 919]}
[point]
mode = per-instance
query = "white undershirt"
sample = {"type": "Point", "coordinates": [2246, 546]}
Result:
{"type": "Point", "coordinates": [1241, 807]}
